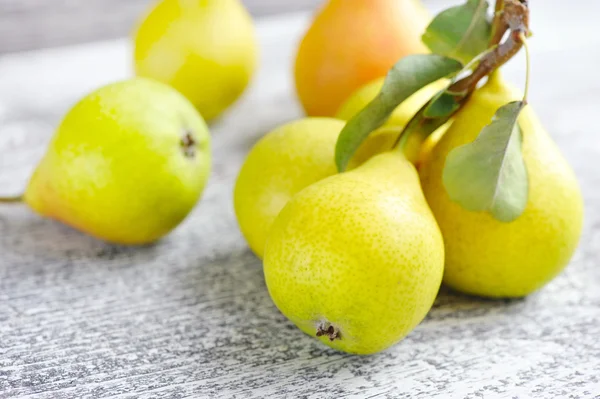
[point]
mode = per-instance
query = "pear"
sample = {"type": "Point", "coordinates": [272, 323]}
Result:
{"type": "Point", "coordinates": [357, 259]}
{"type": "Point", "coordinates": [285, 161]}
{"type": "Point", "coordinates": [205, 49]}
{"type": "Point", "coordinates": [126, 165]}
{"type": "Point", "coordinates": [351, 43]}
{"type": "Point", "coordinates": [427, 145]}
{"type": "Point", "coordinates": [487, 257]}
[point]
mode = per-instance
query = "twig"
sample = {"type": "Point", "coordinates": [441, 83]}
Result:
{"type": "Point", "coordinates": [514, 16]}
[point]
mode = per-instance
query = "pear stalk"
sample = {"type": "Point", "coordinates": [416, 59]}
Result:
{"type": "Point", "coordinates": [513, 16]}
{"type": "Point", "coordinates": [11, 200]}
{"type": "Point", "coordinates": [528, 67]}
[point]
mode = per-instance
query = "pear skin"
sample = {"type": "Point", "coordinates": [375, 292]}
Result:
{"type": "Point", "coordinates": [351, 43]}
{"type": "Point", "coordinates": [357, 259]}
{"type": "Point", "coordinates": [126, 165]}
{"type": "Point", "coordinates": [206, 49]}
{"type": "Point", "coordinates": [490, 258]}
{"type": "Point", "coordinates": [287, 160]}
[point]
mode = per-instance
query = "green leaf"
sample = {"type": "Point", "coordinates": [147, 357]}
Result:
{"type": "Point", "coordinates": [489, 174]}
{"type": "Point", "coordinates": [447, 101]}
{"type": "Point", "coordinates": [408, 76]}
{"type": "Point", "coordinates": [460, 32]}
{"type": "Point", "coordinates": [443, 104]}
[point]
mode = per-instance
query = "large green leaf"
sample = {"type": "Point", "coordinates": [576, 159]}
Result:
{"type": "Point", "coordinates": [408, 76]}
{"type": "Point", "coordinates": [489, 174]}
{"type": "Point", "coordinates": [460, 32]}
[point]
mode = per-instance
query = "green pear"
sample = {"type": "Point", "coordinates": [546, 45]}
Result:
{"type": "Point", "coordinates": [285, 161]}
{"type": "Point", "coordinates": [357, 259]}
{"type": "Point", "coordinates": [126, 165]}
{"type": "Point", "coordinates": [483, 255]}
{"type": "Point", "coordinates": [206, 49]}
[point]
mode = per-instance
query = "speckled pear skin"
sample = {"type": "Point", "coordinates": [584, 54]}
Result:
{"type": "Point", "coordinates": [357, 258]}
{"type": "Point", "coordinates": [281, 164]}
{"type": "Point", "coordinates": [287, 160]}
{"type": "Point", "coordinates": [487, 257]}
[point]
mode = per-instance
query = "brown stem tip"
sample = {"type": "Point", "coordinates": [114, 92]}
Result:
{"type": "Point", "coordinates": [11, 200]}
{"type": "Point", "coordinates": [328, 330]}
{"type": "Point", "coordinates": [513, 16]}
{"type": "Point", "coordinates": [188, 144]}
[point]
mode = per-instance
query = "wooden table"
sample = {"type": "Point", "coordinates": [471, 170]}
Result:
{"type": "Point", "coordinates": [191, 317]}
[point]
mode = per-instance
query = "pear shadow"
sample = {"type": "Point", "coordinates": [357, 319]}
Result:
{"type": "Point", "coordinates": [245, 328]}
{"type": "Point", "coordinates": [452, 304]}
{"type": "Point", "coordinates": [250, 330]}
{"type": "Point", "coordinates": [448, 296]}
{"type": "Point", "coordinates": [35, 242]}
{"type": "Point", "coordinates": [233, 306]}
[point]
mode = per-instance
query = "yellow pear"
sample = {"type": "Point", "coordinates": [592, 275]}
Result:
{"type": "Point", "coordinates": [483, 255]}
{"type": "Point", "coordinates": [429, 143]}
{"type": "Point", "coordinates": [357, 259]}
{"type": "Point", "coordinates": [401, 115]}
{"type": "Point", "coordinates": [284, 162]}
{"type": "Point", "coordinates": [206, 49]}
{"type": "Point", "coordinates": [127, 164]}
{"type": "Point", "coordinates": [351, 43]}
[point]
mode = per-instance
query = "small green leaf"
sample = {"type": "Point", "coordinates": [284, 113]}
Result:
{"type": "Point", "coordinates": [489, 174]}
{"type": "Point", "coordinates": [460, 32]}
{"type": "Point", "coordinates": [444, 104]}
{"type": "Point", "coordinates": [447, 101]}
{"type": "Point", "coordinates": [408, 76]}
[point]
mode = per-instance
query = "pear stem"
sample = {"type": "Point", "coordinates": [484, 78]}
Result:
{"type": "Point", "coordinates": [528, 68]}
{"type": "Point", "coordinates": [11, 200]}
{"type": "Point", "coordinates": [510, 15]}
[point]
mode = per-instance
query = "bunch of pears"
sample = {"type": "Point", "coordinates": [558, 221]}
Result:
{"type": "Point", "coordinates": [356, 259]}
{"type": "Point", "coordinates": [130, 160]}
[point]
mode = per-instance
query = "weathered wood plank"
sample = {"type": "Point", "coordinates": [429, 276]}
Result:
{"type": "Point", "coordinates": [191, 317]}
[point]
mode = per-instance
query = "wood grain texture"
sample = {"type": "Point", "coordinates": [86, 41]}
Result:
{"type": "Point", "coordinates": [190, 317]}
{"type": "Point", "coordinates": [32, 24]}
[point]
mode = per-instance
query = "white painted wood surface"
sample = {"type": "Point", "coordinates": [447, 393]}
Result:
{"type": "Point", "coordinates": [191, 317]}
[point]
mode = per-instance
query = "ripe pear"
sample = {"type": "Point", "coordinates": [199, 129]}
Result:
{"type": "Point", "coordinates": [284, 162]}
{"type": "Point", "coordinates": [401, 115]}
{"type": "Point", "coordinates": [357, 259]}
{"type": "Point", "coordinates": [126, 165]}
{"type": "Point", "coordinates": [205, 49]}
{"type": "Point", "coordinates": [487, 257]}
{"type": "Point", "coordinates": [351, 43]}
{"type": "Point", "coordinates": [427, 145]}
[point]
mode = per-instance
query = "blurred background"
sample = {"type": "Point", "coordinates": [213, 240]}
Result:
{"type": "Point", "coordinates": [32, 24]}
